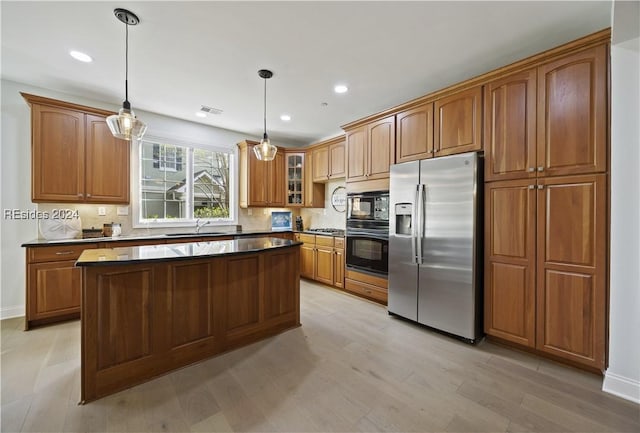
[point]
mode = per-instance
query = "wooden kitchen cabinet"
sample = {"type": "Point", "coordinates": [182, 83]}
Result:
{"type": "Point", "coordinates": [572, 114]}
{"type": "Point", "coordinates": [302, 191]}
{"type": "Point", "coordinates": [329, 160]}
{"type": "Point", "coordinates": [262, 183]}
{"type": "Point", "coordinates": [548, 121]}
{"type": "Point", "coordinates": [414, 134]}
{"type": "Point", "coordinates": [458, 122]}
{"type": "Point", "coordinates": [371, 150]}
{"type": "Point", "coordinates": [322, 258]}
{"type": "Point", "coordinates": [510, 127]}
{"type": "Point", "coordinates": [53, 283]}
{"type": "Point", "coordinates": [295, 178]}
{"type": "Point", "coordinates": [545, 281]}
{"type": "Point", "coordinates": [571, 268]}
{"type": "Point", "coordinates": [74, 156]}
{"type": "Point", "coordinates": [510, 261]}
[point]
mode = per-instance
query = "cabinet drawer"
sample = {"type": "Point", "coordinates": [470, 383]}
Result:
{"type": "Point", "coordinates": [307, 239]}
{"type": "Point", "coordinates": [367, 290]}
{"type": "Point", "coordinates": [324, 241]}
{"type": "Point", "coordinates": [338, 242]}
{"type": "Point", "coordinates": [57, 253]}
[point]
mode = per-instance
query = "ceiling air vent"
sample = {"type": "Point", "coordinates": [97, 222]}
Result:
{"type": "Point", "coordinates": [211, 110]}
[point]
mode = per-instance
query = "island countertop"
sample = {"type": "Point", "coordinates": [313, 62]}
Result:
{"type": "Point", "coordinates": [180, 251]}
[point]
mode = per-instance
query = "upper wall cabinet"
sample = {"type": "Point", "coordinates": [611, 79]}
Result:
{"type": "Point", "coordinates": [510, 127]}
{"type": "Point", "coordinates": [74, 157]}
{"type": "Point", "coordinates": [371, 151]}
{"type": "Point", "coordinates": [262, 183]}
{"type": "Point", "coordinates": [328, 161]}
{"type": "Point", "coordinates": [548, 121]}
{"type": "Point", "coordinates": [572, 114]}
{"type": "Point", "coordinates": [457, 123]}
{"type": "Point", "coordinates": [414, 134]}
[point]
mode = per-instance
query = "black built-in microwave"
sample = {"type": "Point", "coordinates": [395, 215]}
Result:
{"type": "Point", "coordinates": [372, 206]}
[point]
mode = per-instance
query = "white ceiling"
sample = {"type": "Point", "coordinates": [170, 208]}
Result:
{"type": "Point", "coordinates": [183, 55]}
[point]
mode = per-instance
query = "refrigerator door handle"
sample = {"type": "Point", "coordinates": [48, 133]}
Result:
{"type": "Point", "coordinates": [421, 220]}
{"type": "Point", "coordinates": [414, 230]}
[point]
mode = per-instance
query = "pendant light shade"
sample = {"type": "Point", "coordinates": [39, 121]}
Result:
{"type": "Point", "coordinates": [125, 125]}
{"type": "Point", "coordinates": [265, 151]}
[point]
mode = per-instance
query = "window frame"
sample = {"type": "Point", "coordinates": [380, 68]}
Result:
{"type": "Point", "coordinates": [187, 161]}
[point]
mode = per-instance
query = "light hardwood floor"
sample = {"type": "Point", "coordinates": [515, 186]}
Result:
{"type": "Point", "coordinates": [350, 367]}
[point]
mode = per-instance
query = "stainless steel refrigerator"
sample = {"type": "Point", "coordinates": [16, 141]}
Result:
{"type": "Point", "coordinates": [435, 243]}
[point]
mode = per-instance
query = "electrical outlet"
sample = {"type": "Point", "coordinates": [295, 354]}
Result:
{"type": "Point", "coordinates": [122, 210]}
{"type": "Point", "coordinates": [249, 211]}
{"type": "Point", "coordinates": [102, 211]}
{"type": "Point", "coordinates": [265, 211]}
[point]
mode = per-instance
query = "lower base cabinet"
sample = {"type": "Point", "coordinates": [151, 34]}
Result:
{"type": "Point", "coordinates": [53, 284]}
{"type": "Point", "coordinates": [366, 285]}
{"type": "Point", "coordinates": [545, 261]}
{"type": "Point", "coordinates": [322, 258]}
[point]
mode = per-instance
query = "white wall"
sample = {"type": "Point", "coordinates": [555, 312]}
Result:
{"type": "Point", "coordinates": [623, 375]}
{"type": "Point", "coordinates": [15, 163]}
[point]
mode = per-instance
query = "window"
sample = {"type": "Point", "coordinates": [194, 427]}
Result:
{"type": "Point", "coordinates": [179, 183]}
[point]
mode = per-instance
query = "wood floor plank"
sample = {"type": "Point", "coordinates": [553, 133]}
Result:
{"type": "Point", "coordinates": [350, 367]}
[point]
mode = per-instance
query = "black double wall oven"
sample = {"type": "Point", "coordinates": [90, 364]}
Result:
{"type": "Point", "coordinates": [368, 232]}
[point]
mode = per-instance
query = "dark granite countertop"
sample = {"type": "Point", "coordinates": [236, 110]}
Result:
{"type": "Point", "coordinates": [161, 236]}
{"type": "Point", "coordinates": [180, 251]}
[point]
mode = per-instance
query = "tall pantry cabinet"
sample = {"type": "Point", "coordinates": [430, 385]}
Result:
{"type": "Point", "coordinates": [546, 207]}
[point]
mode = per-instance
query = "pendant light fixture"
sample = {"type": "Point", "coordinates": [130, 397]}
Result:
{"type": "Point", "coordinates": [265, 151]}
{"type": "Point", "coordinates": [124, 125]}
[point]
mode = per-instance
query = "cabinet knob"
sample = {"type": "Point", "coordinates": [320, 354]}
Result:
{"type": "Point", "coordinates": [541, 168]}
{"type": "Point", "coordinates": [532, 186]}
{"type": "Point", "coordinates": [531, 169]}
{"type": "Point", "coordinates": [431, 151]}
{"type": "Point", "coordinates": [88, 195]}
{"type": "Point", "coordinates": [80, 195]}
{"type": "Point", "coordinates": [540, 186]}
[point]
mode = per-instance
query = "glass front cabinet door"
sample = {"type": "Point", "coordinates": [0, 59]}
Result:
{"type": "Point", "coordinates": [295, 179]}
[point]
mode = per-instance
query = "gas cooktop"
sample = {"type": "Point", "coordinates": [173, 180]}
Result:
{"type": "Point", "coordinates": [327, 231]}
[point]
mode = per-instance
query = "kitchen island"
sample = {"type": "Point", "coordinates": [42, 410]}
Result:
{"type": "Point", "coordinates": [152, 309]}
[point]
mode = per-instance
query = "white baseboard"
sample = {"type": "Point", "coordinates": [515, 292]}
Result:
{"type": "Point", "coordinates": [10, 312]}
{"type": "Point", "coordinates": [621, 386]}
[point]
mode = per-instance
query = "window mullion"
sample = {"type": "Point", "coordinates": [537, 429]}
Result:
{"type": "Point", "coordinates": [189, 183]}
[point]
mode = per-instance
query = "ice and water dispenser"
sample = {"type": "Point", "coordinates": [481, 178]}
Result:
{"type": "Point", "coordinates": [403, 219]}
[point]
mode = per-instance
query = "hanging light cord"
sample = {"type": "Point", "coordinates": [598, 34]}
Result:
{"type": "Point", "coordinates": [126, 68]}
{"type": "Point", "coordinates": [265, 108]}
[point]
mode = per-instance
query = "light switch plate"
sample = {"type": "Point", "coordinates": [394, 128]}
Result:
{"type": "Point", "coordinates": [102, 211]}
{"type": "Point", "coordinates": [122, 210]}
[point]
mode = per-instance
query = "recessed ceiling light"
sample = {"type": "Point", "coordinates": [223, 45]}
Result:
{"type": "Point", "coordinates": [81, 56]}
{"type": "Point", "coordinates": [201, 114]}
{"type": "Point", "coordinates": [285, 117]}
{"type": "Point", "coordinates": [340, 88]}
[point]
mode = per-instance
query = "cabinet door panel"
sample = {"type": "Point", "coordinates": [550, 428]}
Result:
{"type": "Point", "coordinates": [457, 126]}
{"type": "Point", "coordinates": [510, 127]}
{"type": "Point", "coordinates": [277, 182]}
{"type": "Point", "coordinates": [243, 294]}
{"type": "Point", "coordinates": [324, 265]}
{"type": "Point", "coordinates": [279, 299]}
{"type": "Point", "coordinates": [510, 261]}
{"type": "Point", "coordinates": [307, 261]}
{"type": "Point", "coordinates": [191, 303]}
{"type": "Point", "coordinates": [381, 148]}
{"type": "Point", "coordinates": [321, 164]}
{"type": "Point", "coordinates": [338, 267]}
{"type": "Point", "coordinates": [357, 155]}
{"type": "Point", "coordinates": [336, 160]}
{"type": "Point", "coordinates": [259, 178]}
{"type": "Point", "coordinates": [57, 157]}
{"type": "Point", "coordinates": [54, 289]}
{"type": "Point", "coordinates": [107, 163]}
{"type": "Point", "coordinates": [295, 184]}
{"type": "Point", "coordinates": [572, 114]}
{"type": "Point", "coordinates": [571, 268]}
{"type": "Point", "coordinates": [124, 301]}
{"type": "Point", "coordinates": [414, 138]}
